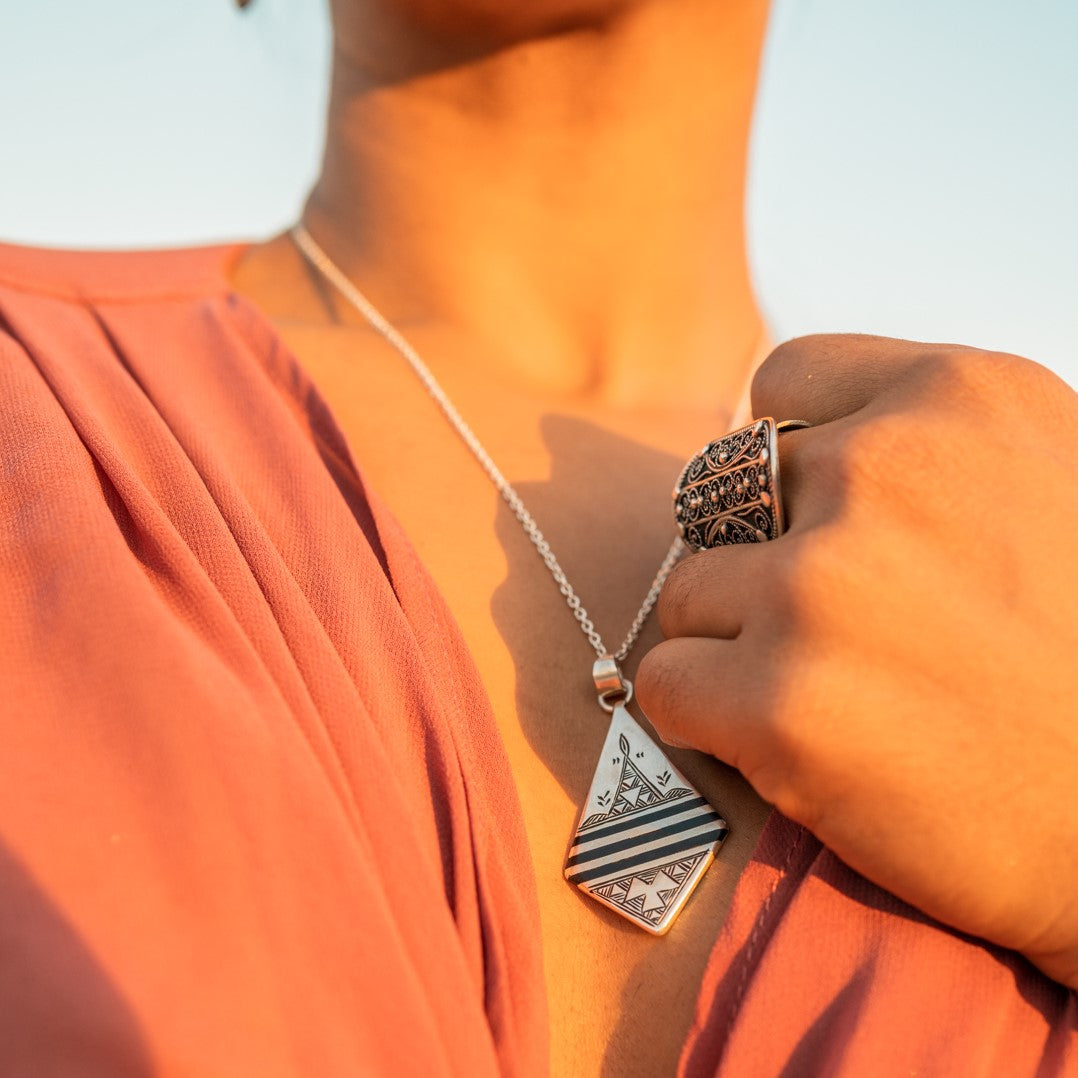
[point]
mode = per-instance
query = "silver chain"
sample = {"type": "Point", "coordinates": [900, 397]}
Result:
{"type": "Point", "coordinates": [322, 262]}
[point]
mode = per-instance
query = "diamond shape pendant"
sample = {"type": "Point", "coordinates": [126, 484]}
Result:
{"type": "Point", "coordinates": [646, 836]}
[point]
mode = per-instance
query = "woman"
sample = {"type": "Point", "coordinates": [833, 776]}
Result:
{"type": "Point", "coordinates": [262, 814]}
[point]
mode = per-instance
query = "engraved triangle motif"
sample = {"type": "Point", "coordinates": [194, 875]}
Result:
{"type": "Point", "coordinates": [646, 836]}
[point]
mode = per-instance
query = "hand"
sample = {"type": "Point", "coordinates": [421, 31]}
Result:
{"type": "Point", "coordinates": [899, 671]}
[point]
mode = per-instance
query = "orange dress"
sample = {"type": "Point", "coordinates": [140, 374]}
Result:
{"type": "Point", "coordinates": [255, 815]}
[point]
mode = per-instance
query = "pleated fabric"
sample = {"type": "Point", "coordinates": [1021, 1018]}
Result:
{"type": "Point", "coordinates": [255, 814]}
{"type": "Point", "coordinates": [819, 972]}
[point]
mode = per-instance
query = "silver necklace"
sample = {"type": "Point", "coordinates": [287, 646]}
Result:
{"type": "Point", "coordinates": [645, 836]}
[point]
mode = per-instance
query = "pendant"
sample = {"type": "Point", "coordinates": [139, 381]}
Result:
{"type": "Point", "coordinates": [646, 836]}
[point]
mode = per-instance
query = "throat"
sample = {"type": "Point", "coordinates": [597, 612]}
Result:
{"type": "Point", "coordinates": [571, 203]}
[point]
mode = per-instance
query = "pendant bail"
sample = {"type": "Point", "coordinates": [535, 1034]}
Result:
{"type": "Point", "coordinates": [613, 688]}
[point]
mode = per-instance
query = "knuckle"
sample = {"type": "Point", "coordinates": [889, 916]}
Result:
{"type": "Point", "coordinates": [876, 445]}
{"type": "Point", "coordinates": [676, 597]}
{"type": "Point", "coordinates": [775, 364]}
{"type": "Point", "coordinates": [873, 459]}
{"type": "Point", "coordinates": [810, 346]}
{"type": "Point", "coordinates": [773, 377]}
{"type": "Point", "coordinates": [783, 767]}
{"type": "Point", "coordinates": [788, 376]}
{"type": "Point", "coordinates": [807, 575]}
{"type": "Point", "coordinates": [1006, 383]}
{"type": "Point", "coordinates": [662, 689]}
{"type": "Point", "coordinates": [977, 378]}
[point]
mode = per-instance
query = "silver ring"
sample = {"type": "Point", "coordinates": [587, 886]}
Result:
{"type": "Point", "coordinates": [729, 492]}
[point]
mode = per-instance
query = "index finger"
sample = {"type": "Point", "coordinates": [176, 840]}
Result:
{"type": "Point", "coordinates": [830, 375]}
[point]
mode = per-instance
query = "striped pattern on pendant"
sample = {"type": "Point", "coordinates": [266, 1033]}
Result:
{"type": "Point", "coordinates": [646, 836]}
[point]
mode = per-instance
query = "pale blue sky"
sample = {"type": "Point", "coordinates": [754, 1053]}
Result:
{"type": "Point", "coordinates": [916, 163]}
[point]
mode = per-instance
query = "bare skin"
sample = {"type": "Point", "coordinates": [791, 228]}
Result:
{"type": "Point", "coordinates": [554, 218]}
{"type": "Point", "coordinates": [606, 980]}
{"type": "Point", "coordinates": [547, 199]}
{"type": "Point", "coordinates": [897, 671]}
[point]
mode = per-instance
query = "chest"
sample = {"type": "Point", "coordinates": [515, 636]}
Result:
{"type": "Point", "coordinates": [600, 493]}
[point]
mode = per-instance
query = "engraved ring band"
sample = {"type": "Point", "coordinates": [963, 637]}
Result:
{"type": "Point", "coordinates": [729, 492]}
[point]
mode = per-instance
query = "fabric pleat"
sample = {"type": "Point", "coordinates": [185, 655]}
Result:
{"type": "Point", "coordinates": [248, 768]}
{"type": "Point", "coordinates": [255, 814]}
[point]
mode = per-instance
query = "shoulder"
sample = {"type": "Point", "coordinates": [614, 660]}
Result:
{"type": "Point", "coordinates": [73, 322]}
{"type": "Point", "coordinates": [55, 303]}
{"type": "Point", "coordinates": [88, 276]}
{"type": "Point", "coordinates": [118, 373]}
{"type": "Point", "coordinates": [95, 348]}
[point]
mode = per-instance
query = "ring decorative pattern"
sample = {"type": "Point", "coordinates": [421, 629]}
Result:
{"type": "Point", "coordinates": [729, 492]}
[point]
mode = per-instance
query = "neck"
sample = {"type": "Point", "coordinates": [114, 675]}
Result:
{"type": "Point", "coordinates": [569, 201]}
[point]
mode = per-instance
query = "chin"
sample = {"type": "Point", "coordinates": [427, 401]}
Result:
{"type": "Point", "coordinates": [492, 20]}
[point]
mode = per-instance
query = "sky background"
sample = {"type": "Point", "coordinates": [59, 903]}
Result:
{"type": "Point", "coordinates": [915, 164]}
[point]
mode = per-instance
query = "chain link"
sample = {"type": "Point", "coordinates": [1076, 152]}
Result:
{"type": "Point", "coordinates": [322, 262]}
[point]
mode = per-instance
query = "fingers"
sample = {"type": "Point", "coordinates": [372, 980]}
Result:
{"type": "Point", "coordinates": [713, 696]}
{"type": "Point", "coordinates": [757, 705]}
{"type": "Point", "coordinates": [687, 688]}
{"type": "Point", "coordinates": [824, 377]}
{"type": "Point", "coordinates": [710, 593]}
